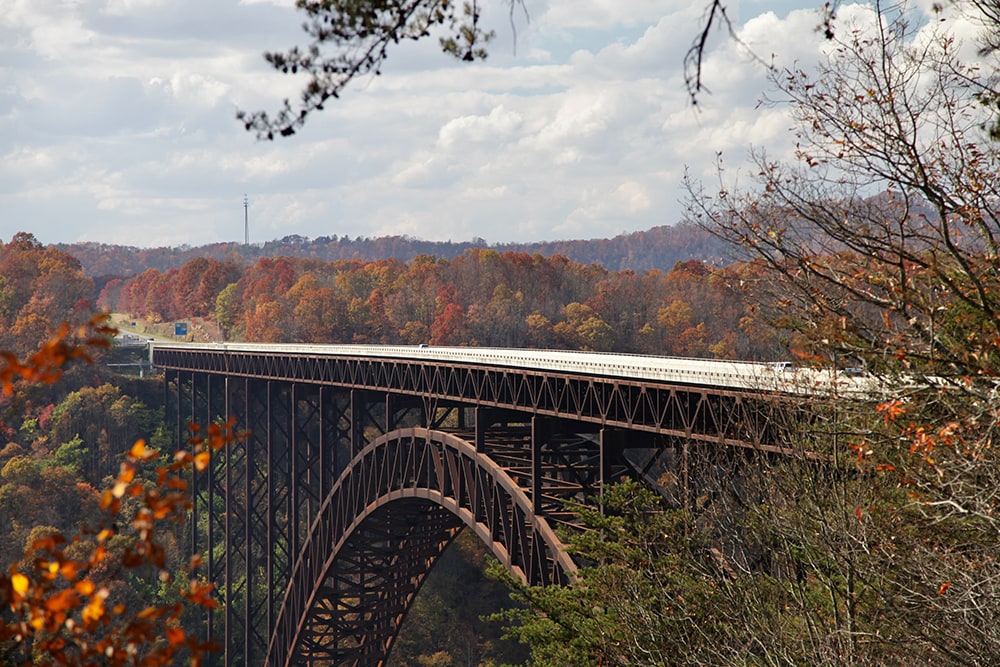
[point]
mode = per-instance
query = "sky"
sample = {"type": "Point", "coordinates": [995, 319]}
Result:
{"type": "Point", "coordinates": [117, 122]}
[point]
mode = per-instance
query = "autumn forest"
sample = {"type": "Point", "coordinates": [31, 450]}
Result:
{"type": "Point", "coordinates": [481, 298]}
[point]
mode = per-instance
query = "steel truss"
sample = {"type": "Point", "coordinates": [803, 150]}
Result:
{"type": "Point", "coordinates": [320, 527]}
{"type": "Point", "coordinates": [694, 412]}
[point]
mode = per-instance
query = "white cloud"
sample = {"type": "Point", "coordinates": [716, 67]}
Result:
{"type": "Point", "coordinates": [605, 14]}
{"type": "Point", "coordinates": [126, 7]}
{"type": "Point", "coordinates": [117, 122]}
{"type": "Point", "coordinates": [496, 126]}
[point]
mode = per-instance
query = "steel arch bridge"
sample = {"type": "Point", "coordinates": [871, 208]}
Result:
{"type": "Point", "coordinates": [364, 462]}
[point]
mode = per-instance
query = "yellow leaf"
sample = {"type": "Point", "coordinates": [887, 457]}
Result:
{"type": "Point", "coordinates": [94, 610]}
{"type": "Point", "coordinates": [20, 583]}
{"type": "Point", "coordinates": [140, 451]}
{"type": "Point", "coordinates": [201, 460]}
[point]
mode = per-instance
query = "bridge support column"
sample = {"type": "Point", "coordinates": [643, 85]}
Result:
{"type": "Point", "coordinates": [611, 446]}
{"type": "Point", "coordinates": [203, 399]}
{"type": "Point", "coordinates": [541, 434]}
{"type": "Point", "coordinates": [259, 562]}
{"type": "Point", "coordinates": [365, 407]}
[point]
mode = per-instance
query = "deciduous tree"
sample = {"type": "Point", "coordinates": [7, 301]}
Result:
{"type": "Point", "coordinates": [880, 251]}
{"type": "Point", "coordinates": [62, 603]}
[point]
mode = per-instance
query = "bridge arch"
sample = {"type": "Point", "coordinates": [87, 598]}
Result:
{"type": "Point", "coordinates": [379, 531]}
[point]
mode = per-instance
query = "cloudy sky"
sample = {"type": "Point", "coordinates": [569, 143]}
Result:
{"type": "Point", "coordinates": [117, 122]}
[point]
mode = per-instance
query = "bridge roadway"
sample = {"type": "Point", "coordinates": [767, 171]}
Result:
{"type": "Point", "coordinates": [364, 462]}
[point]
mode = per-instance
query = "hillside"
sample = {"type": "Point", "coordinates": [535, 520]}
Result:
{"type": "Point", "coordinates": [657, 248]}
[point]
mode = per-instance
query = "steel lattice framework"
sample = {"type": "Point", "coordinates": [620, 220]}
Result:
{"type": "Point", "coordinates": [321, 526]}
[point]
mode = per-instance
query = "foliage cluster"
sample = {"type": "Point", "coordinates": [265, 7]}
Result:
{"type": "Point", "coordinates": [480, 298]}
{"type": "Point", "coordinates": [91, 577]}
{"type": "Point", "coordinates": [67, 598]}
{"type": "Point", "coordinates": [40, 288]}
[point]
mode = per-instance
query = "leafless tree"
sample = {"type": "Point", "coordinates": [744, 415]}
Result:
{"type": "Point", "coordinates": [880, 244]}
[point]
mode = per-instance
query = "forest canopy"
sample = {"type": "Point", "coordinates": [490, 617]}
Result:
{"type": "Point", "coordinates": [480, 298]}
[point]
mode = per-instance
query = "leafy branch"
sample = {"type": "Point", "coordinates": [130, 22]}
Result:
{"type": "Point", "coordinates": [59, 609]}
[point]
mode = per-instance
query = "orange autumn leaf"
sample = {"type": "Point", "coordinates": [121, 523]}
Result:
{"type": "Point", "coordinates": [140, 452]}
{"type": "Point", "coordinates": [151, 612]}
{"type": "Point", "coordinates": [201, 460]}
{"type": "Point", "coordinates": [109, 502]}
{"type": "Point", "coordinates": [62, 601]}
{"type": "Point", "coordinates": [891, 410]}
{"type": "Point", "coordinates": [175, 636]}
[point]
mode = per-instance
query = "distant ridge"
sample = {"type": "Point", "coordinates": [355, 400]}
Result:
{"type": "Point", "coordinates": [657, 248]}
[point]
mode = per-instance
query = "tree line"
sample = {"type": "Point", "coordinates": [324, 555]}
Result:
{"type": "Point", "coordinates": [656, 248]}
{"type": "Point", "coordinates": [482, 298]}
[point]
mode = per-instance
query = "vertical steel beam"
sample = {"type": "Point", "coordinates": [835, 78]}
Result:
{"type": "Point", "coordinates": [272, 530]}
{"type": "Point", "coordinates": [685, 479]}
{"type": "Point", "coordinates": [357, 422]}
{"type": "Point", "coordinates": [294, 472]}
{"type": "Point", "coordinates": [541, 433]}
{"type": "Point", "coordinates": [327, 453]}
{"type": "Point", "coordinates": [196, 415]}
{"type": "Point", "coordinates": [307, 460]}
{"type": "Point", "coordinates": [208, 502]}
{"type": "Point", "coordinates": [172, 404]}
{"type": "Point", "coordinates": [280, 527]}
{"type": "Point", "coordinates": [230, 607]}
{"type": "Point", "coordinates": [611, 443]}
{"type": "Point", "coordinates": [258, 597]}
{"type": "Point", "coordinates": [481, 417]}
{"type": "Point", "coordinates": [248, 525]}
{"type": "Point", "coordinates": [602, 457]}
